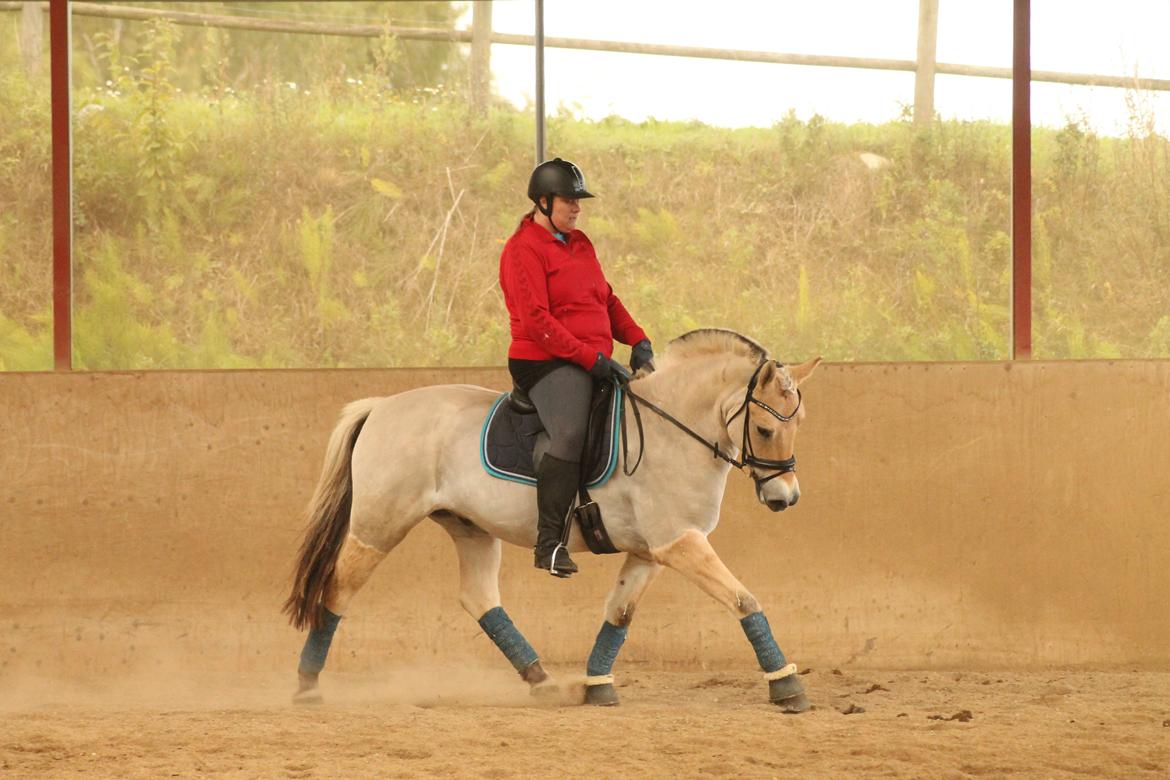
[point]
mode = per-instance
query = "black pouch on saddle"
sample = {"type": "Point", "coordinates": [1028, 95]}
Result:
{"type": "Point", "coordinates": [588, 516]}
{"type": "Point", "coordinates": [588, 513]}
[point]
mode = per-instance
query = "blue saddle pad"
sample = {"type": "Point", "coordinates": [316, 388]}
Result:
{"type": "Point", "coordinates": [508, 438]}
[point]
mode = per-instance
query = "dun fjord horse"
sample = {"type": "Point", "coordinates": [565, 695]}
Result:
{"type": "Point", "coordinates": [393, 462]}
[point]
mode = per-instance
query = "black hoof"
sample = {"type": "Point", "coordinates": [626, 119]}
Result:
{"type": "Point", "coordinates": [534, 673]}
{"type": "Point", "coordinates": [787, 693]}
{"type": "Point", "coordinates": [540, 686]}
{"type": "Point", "coordinates": [601, 695]}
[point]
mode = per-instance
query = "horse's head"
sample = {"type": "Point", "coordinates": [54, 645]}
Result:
{"type": "Point", "coordinates": [772, 412]}
{"type": "Point", "coordinates": [761, 419]}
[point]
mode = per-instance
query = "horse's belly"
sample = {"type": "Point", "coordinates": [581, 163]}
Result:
{"type": "Point", "coordinates": [504, 509]}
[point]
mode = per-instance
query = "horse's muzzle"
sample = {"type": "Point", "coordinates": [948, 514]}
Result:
{"type": "Point", "coordinates": [780, 504]}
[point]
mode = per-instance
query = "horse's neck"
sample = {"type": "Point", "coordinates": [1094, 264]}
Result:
{"type": "Point", "coordinates": [699, 392]}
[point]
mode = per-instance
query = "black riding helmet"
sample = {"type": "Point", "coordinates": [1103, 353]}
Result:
{"type": "Point", "coordinates": [556, 177]}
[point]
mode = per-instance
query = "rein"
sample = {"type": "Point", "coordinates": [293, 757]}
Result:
{"type": "Point", "coordinates": [749, 458]}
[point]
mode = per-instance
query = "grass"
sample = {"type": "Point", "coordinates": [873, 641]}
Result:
{"type": "Point", "coordinates": [278, 227]}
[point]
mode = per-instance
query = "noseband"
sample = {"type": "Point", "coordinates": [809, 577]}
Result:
{"type": "Point", "coordinates": [748, 456]}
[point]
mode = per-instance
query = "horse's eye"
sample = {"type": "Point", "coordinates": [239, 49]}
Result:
{"type": "Point", "coordinates": [764, 432]}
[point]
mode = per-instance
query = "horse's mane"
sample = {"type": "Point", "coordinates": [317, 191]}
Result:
{"type": "Point", "coordinates": [707, 341]}
{"type": "Point", "coordinates": [720, 341]}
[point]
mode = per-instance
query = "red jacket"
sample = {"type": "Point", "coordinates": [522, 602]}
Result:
{"type": "Point", "coordinates": [559, 302]}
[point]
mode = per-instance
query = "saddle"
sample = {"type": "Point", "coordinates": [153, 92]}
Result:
{"type": "Point", "coordinates": [513, 440]}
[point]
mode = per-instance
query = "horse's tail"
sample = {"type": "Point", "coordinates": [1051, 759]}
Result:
{"type": "Point", "coordinates": [328, 521]}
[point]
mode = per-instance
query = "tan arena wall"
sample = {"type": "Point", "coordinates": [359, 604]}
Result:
{"type": "Point", "coordinates": [953, 516]}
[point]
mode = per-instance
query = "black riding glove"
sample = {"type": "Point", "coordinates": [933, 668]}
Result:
{"type": "Point", "coordinates": [607, 368]}
{"type": "Point", "coordinates": [642, 355]}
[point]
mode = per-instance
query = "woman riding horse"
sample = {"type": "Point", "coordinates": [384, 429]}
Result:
{"type": "Point", "coordinates": [564, 318]}
{"type": "Point", "coordinates": [717, 401]}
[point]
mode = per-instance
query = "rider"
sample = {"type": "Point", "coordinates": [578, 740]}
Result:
{"type": "Point", "coordinates": [564, 319]}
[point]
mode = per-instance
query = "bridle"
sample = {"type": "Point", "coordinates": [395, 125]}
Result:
{"type": "Point", "coordinates": [748, 456]}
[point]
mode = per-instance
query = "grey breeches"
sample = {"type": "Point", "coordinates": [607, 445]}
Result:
{"type": "Point", "coordinates": [562, 401]}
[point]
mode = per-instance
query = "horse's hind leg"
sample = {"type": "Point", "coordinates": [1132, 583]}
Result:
{"type": "Point", "coordinates": [635, 576]}
{"type": "Point", "coordinates": [693, 557]}
{"type": "Point", "coordinates": [479, 593]}
{"type": "Point", "coordinates": [355, 563]}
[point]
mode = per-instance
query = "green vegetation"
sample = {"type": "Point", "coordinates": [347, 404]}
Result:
{"type": "Point", "coordinates": [360, 224]}
{"type": "Point", "coordinates": [209, 58]}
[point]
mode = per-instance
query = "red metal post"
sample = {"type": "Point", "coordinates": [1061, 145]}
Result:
{"type": "Point", "coordinates": [538, 46]}
{"type": "Point", "coordinates": [1022, 183]}
{"type": "Point", "coordinates": [59, 46]}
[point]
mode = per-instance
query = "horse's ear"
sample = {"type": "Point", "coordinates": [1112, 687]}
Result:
{"type": "Point", "coordinates": [766, 374]}
{"type": "Point", "coordinates": [804, 370]}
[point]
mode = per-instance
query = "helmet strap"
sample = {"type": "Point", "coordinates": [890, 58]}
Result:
{"type": "Point", "coordinates": [548, 213]}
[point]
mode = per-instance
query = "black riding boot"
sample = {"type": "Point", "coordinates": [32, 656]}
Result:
{"type": "Point", "coordinates": [556, 487]}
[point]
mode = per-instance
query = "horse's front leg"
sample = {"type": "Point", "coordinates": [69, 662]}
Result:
{"type": "Point", "coordinates": [693, 557]}
{"type": "Point", "coordinates": [635, 576]}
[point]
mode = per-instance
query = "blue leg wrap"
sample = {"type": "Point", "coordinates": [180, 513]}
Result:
{"type": "Point", "coordinates": [317, 645]}
{"type": "Point", "coordinates": [759, 633]}
{"type": "Point", "coordinates": [605, 649]}
{"type": "Point", "coordinates": [496, 624]}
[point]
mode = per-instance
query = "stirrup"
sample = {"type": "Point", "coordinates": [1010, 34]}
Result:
{"type": "Point", "coordinates": [552, 563]}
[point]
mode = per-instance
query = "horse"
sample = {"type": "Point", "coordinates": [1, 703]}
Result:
{"type": "Point", "coordinates": [393, 462]}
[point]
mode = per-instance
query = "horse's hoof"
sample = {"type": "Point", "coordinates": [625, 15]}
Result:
{"type": "Point", "coordinates": [601, 695]}
{"type": "Point", "coordinates": [787, 693]}
{"type": "Point", "coordinates": [534, 674]}
{"type": "Point", "coordinates": [308, 692]}
{"type": "Point", "coordinates": [308, 696]}
{"type": "Point", "coordinates": [794, 705]}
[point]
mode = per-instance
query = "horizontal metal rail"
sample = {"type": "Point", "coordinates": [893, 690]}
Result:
{"type": "Point", "coordinates": [699, 52]}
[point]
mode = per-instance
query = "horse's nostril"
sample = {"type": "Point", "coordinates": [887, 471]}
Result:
{"type": "Point", "coordinates": [778, 506]}
{"type": "Point", "coordinates": [795, 498]}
